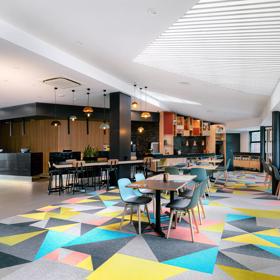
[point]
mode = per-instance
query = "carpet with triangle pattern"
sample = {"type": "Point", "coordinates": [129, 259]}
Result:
{"type": "Point", "coordinates": [80, 238]}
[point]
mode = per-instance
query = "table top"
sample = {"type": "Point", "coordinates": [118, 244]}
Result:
{"type": "Point", "coordinates": [206, 167]}
{"type": "Point", "coordinates": [174, 183]}
{"type": "Point", "coordinates": [211, 160]}
{"type": "Point", "coordinates": [105, 163]}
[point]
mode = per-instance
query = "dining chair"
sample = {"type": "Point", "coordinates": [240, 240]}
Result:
{"type": "Point", "coordinates": [277, 178]}
{"type": "Point", "coordinates": [131, 199]}
{"type": "Point", "coordinates": [223, 169]}
{"type": "Point", "coordinates": [184, 206]}
{"type": "Point", "coordinates": [268, 169]}
{"type": "Point", "coordinates": [141, 177]}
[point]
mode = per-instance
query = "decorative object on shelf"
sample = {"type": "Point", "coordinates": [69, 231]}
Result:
{"type": "Point", "coordinates": [134, 103]}
{"type": "Point", "coordinates": [73, 117]}
{"type": "Point", "coordinates": [202, 143]}
{"type": "Point", "coordinates": [55, 123]}
{"type": "Point", "coordinates": [104, 125]}
{"type": "Point", "coordinates": [145, 114]}
{"type": "Point", "coordinates": [90, 153]}
{"type": "Point", "coordinates": [88, 110]}
{"type": "Point", "coordinates": [187, 143]}
{"type": "Point", "coordinates": [140, 129]}
{"type": "Point", "coordinates": [194, 143]}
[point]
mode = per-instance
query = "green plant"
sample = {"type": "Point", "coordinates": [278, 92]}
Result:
{"type": "Point", "coordinates": [90, 151]}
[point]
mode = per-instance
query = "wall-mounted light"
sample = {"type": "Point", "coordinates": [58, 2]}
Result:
{"type": "Point", "coordinates": [140, 129]}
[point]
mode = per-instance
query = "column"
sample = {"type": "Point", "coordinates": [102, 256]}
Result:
{"type": "Point", "coordinates": [262, 145]}
{"type": "Point", "coordinates": [120, 130]}
{"type": "Point", "coordinates": [275, 144]}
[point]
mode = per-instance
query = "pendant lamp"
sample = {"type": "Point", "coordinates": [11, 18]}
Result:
{"type": "Point", "coordinates": [134, 104]}
{"type": "Point", "coordinates": [73, 117]}
{"type": "Point", "coordinates": [104, 125]}
{"type": "Point", "coordinates": [145, 114]}
{"type": "Point", "coordinates": [88, 110]}
{"type": "Point", "coordinates": [55, 123]}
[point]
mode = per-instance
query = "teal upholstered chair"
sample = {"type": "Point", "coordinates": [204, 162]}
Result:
{"type": "Point", "coordinates": [131, 199]}
{"type": "Point", "coordinates": [141, 177]}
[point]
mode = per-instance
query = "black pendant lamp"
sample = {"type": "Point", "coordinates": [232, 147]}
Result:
{"type": "Point", "coordinates": [55, 123]}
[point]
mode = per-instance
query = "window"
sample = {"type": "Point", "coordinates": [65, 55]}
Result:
{"type": "Point", "coordinates": [255, 141]}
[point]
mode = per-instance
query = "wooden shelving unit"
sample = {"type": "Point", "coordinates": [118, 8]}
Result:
{"type": "Point", "coordinates": [216, 142]}
{"type": "Point", "coordinates": [247, 162]}
{"type": "Point", "coordinates": [172, 125]}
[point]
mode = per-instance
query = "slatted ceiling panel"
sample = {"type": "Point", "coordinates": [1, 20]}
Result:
{"type": "Point", "coordinates": [235, 44]}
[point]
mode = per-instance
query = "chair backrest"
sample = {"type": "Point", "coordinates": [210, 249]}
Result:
{"type": "Point", "coordinates": [228, 163]}
{"type": "Point", "coordinates": [276, 172]}
{"type": "Point", "coordinates": [195, 197]}
{"type": "Point", "coordinates": [200, 173]}
{"type": "Point", "coordinates": [125, 192]}
{"type": "Point", "coordinates": [203, 188]}
{"type": "Point", "coordinates": [172, 170]}
{"type": "Point", "coordinates": [139, 177]}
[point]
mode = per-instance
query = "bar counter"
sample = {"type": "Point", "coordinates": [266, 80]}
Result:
{"type": "Point", "coordinates": [21, 164]}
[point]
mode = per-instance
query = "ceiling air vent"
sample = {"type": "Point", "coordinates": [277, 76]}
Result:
{"type": "Point", "coordinates": [61, 83]}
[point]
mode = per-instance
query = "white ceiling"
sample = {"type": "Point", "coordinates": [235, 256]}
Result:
{"type": "Point", "coordinates": [110, 34]}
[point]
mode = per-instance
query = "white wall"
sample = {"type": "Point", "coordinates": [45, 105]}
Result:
{"type": "Point", "coordinates": [244, 142]}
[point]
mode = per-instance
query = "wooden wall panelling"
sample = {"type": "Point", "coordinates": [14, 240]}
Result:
{"type": "Point", "coordinates": [40, 136]}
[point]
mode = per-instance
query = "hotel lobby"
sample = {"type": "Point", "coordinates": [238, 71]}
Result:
{"type": "Point", "coordinates": [140, 140]}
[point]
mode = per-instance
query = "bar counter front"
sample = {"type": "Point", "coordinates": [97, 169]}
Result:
{"type": "Point", "coordinates": [21, 164]}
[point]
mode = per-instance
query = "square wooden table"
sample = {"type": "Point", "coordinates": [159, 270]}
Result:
{"type": "Point", "coordinates": [156, 183]}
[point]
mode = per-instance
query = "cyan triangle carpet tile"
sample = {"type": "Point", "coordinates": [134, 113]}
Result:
{"type": "Point", "coordinates": [203, 261]}
{"type": "Point", "coordinates": [97, 235]}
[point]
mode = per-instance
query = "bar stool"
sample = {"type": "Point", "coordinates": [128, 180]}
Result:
{"type": "Point", "coordinates": [277, 178]}
{"type": "Point", "coordinates": [147, 161]}
{"type": "Point", "coordinates": [112, 171]}
{"type": "Point", "coordinates": [55, 183]}
{"type": "Point", "coordinates": [78, 180]}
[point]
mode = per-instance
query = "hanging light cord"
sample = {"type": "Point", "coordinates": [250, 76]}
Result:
{"type": "Point", "coordinates": [73, 96]}
{"type": "Point", "coordinates": [55, 89]}
{"type": "Point", "coordinates": [104, 104]}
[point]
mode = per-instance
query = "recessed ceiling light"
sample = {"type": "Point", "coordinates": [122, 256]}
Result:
{"type": "Point", "coordinates": [152, 12]}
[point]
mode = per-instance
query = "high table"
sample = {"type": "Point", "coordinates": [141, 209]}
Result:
{"type": "Point", "coordinates": [156, 183]}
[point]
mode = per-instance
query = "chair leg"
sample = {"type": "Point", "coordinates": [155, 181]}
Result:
{"type": "Point", "coordinates": [278, 191]}
{"type": "Point", "coordinates": [175, 219]}
{"type": "Point", "coordinates": [202, 209]}
{"type": "Point", "coordinates": [195, 221]}
{"type": "Point", "coordinates": [170, 223]}
{"type": "Point", "coordinates": [139, 220]}
{"type": "Point", "coordinates": [131, 213]}
{"type": "Point", "coordinates": [191, 225]}
{"type": "Point", "coordinates": [199, 214]}
{"type": "Point", "coordinates": [124, 211]}
{"type": "Point", "coordinates": [148, 215]}
{"type": "Point", "coordinates": [180, 218]}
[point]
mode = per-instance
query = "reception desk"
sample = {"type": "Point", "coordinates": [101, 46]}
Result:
{"type": "Point", "coordinates": [21, 164]}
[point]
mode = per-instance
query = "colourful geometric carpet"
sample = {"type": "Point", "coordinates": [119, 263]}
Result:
{"type": "Point", "coordinates": [79, 238]}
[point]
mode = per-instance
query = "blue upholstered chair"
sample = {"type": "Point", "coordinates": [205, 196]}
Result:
{"type": "Point", "coordinates": [131, 199]}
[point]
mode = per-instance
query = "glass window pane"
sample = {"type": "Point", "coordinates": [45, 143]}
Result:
{"type": "Point", "coordinates": [255, 147]}
{"type": "Point", "coordinates": [255, 136]}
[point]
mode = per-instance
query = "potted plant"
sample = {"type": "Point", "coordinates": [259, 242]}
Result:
{"type": "Point", "coordinates": [90, 153]}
